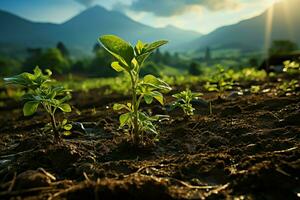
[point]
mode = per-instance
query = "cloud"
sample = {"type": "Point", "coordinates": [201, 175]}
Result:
{"type": "Point", "coordinates": [167, 8]}
{"type": "Point", "coordinates": [86, 3]}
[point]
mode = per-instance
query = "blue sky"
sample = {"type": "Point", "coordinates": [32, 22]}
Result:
{"type": "Point", "coordinates": [198, 15]}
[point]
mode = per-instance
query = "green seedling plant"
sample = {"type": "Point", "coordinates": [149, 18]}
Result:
{"type": "Point", "coordinates": [291, 67]}
{"type": "Point", "coordinates": [40, 92]}
{"type": "Point", "coordinates": [130, 59]}
{"type": "Point", "coordinates": [183, 101]}
{"type": "Point", "coordinates": [220, 82]}
{"type": "Point", "coordinates": [288, 88]}
{"type": "Point", "coordinates": [255, 89]}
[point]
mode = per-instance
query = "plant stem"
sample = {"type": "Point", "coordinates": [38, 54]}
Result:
{"type": "Point", "coordinates": [53, 121]}
{"type": "Point", "coordinates": [135, 131]}
{"type": "Point", "coordinates": [54, 127]}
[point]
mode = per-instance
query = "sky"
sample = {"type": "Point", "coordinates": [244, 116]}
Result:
{"type": "Point", "coordinates": [198, 15]}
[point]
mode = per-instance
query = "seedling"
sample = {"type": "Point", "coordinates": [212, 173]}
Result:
{"type": "Point", "coordinates": [220, 82]}
{"type": "Point", "coordinates": [41, 93]}
{"type": "Point", "coordinates": [291, 66]}
{"type": "Point", "coordinates": [255, 89]}
{"type": "Point", "coordinates": [183, 101]}
{"type": "Point", "coordinates": [130, 59]}
{"type": "Point", "coordinates": [288, 88]}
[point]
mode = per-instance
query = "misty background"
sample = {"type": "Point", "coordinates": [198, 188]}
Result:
{"type": "Point", "coordinates": [62, 35]}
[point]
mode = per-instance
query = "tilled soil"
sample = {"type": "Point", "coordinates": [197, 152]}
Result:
{"type": "Point", "coordinates": [249, 148]}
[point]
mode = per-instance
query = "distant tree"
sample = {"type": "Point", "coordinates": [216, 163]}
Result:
{"type": "Point", "coordinates": [207, 54]}
{"type": "Point", "coordinates": [99, 64]}
{"type": "Point", "coordinates": [195, 69]}
{"type": "Point", "coordinates": [150, 68]}
{"type": "Point", "coordinates": [176, 55]}
{"type": "Point", "coordinates": [51, 59]}
{"type": "Point", "coordinates": [80, 66]}
{"type": "Point", "coordinates": [282, 47]}
{"type": "Point", "coordinates": [34, 51]}
{"type": "Point", "coordinates": [167, 58]}
{"type": "Point", "coordinates": [9, 66]}
{"type": "Point", "coordinates": [63, 49]}
{"type": "Point", "coordinates": [156, 57]}
{"type": "Point", "coordinates": [253, 62]}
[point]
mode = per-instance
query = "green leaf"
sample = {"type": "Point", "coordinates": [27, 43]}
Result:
{"type": "Point", "coordinates": [119, 48]}
{"type": "Point", "coordinates": [65, 107]}
{"type": "Point", "coordinates": [160, 84]}
{"type": "Point", "coordinates": [24, 79]}
{"type": "Point", "coordinates": [141, 58]}
{"type": "Point", "coordinates": [139, 47]}
{"type": "Point", "coordinates": [153, 46]}
{"type": "Point", "coordinates": [66, 98]}
{"type": "Point", "coordinates": [124, 119]}
{"type": "Point", "coordinates": [67, 133]}
{"type": "Point", "coordinates": [49, 72]}
{"type": "Point", "coordinates": [134, 64]}
{"type": "Point", "coordinates": [64, 122]}
{"type": "Point", "coordinates": [30, 108]}
{"type": "Point", "coordinates": [68, 127]}
{"type": "Point", "coordinates": [148, 99]}
{"type": "Point", "coordinates": [159, 97]}
{"type": "Point", "coordinates": [118, 106]}
{"type": "Point", "coordinates": [116, 66]}
{"type": "Point", "coordinates": [37, 71]}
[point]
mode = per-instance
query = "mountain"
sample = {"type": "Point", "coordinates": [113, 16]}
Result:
{"type": "Point", "coordinates": [19, 31]}
{"type": "Point", "coordinates": [81, 31]}
{"type": "Point", "coordinates": [250, 34]}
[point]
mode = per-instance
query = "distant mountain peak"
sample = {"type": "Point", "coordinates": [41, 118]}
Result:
{"type": "Point", "coordinates": [96, 8]}
{"type": "Point", "coordinates": [250, 34]}
{"type": "Point", "coordinates": [81, 31]}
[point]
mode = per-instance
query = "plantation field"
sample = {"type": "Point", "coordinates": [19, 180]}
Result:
{"type": "Point", "coordinates": [245, 145]}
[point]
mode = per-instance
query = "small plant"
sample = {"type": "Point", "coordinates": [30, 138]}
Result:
{"type": "Point", "coordinates": [184, 100]}
{"type": "Point", "coordinates": [40, 92]}
{"type": "Point", "coordinates": [130, 60]}
{"type": "Point", "coordinates": [220, 82]}
{"type": "Point", "coordinates": [255, 89]}
{"type": "Point", "coordinates": [288, 88]}
{"type": "Point", "coordinates": [291, 66]}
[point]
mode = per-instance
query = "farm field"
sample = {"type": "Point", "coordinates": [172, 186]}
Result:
{"type": "Point", "coordinates": [247, 148]}
{"type": "Point", "coordinates": [146, 100]}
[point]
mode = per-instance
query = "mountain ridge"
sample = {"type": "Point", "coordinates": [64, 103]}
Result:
{"type": "Point", "coordinates": [249, 34]}
{"type": "Point", "coordinates": [81, 31]}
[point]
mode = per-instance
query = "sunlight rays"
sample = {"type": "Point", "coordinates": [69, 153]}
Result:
{"type": "Point", "coordinates": [287, 18]}
{"type": "Point", "coordinates": [268, 31]}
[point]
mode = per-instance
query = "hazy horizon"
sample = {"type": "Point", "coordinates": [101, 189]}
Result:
{"type": "Point", "coordinates": [202, 16]}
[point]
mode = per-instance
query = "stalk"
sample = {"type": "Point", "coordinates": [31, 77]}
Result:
{"type": "Point", "coordinates": [135, 134]}
{"type": "Point", "coordinates": [54, 127]}
{"type": "Point", "coordinates": [53, 121]}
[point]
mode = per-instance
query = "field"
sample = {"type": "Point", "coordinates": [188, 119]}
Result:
{"type": "Point", "coordinates": [246, 148]}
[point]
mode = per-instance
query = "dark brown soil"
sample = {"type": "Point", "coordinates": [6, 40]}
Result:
{"type": "Point", "coordinates": [249, 148]}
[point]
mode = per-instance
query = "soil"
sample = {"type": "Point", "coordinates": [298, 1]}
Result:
{"type": "Point", "coordinates": [248, 148]}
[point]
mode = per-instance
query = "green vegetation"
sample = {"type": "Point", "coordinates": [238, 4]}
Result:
{"type": "Point", "coordinates": [52, 59]}
{"type": "Point", "coordinates": [282, 47]}
{"type": "Point", "coordinates": [287, 88]}
{"type": "Point", "coordinates": [40, 92]}
{"type": "Point", "coordinates": [291, 67]}
{"type": "Point", "coordinates": [220, 81]}
{"type": "Point", "coordinates": [130, 60]}
{"type": "Point", "coordinates": [183, 101]}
